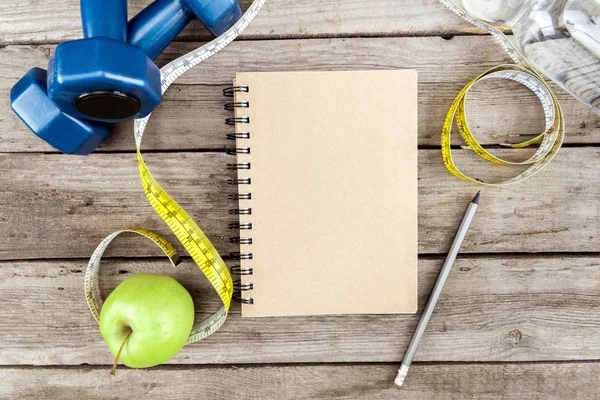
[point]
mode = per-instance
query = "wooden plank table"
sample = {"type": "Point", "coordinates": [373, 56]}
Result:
{"type": "Point", "coordinates": [519, 317]}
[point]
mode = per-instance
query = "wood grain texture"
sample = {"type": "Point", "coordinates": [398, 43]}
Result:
{"type": "Point", "coordinates": [191, 115]}
{"type": "Point", "coordinates": [452, 382]}
{"type": "Point", "coordinates": [492, 309]}
{"type": "Point", "coordinates": [55, 21]}
{"type": "Point", "coordinates": [495, 308]}
{"type": "Point", "coordinates": [55, 206]}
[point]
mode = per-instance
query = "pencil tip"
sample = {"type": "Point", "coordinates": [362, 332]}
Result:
{"type": "Point", "coordinates": [476, 198]}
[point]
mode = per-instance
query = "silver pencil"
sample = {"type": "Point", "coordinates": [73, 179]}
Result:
{"type": "Point", "coordinates": [437, 290]}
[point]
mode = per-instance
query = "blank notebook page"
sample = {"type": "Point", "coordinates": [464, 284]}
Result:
{"type": "Point", "coordinates": [334, 192]}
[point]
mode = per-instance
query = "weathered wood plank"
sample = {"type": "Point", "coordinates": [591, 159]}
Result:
{"type": "Point", "coordinates": [192, 115]}
{"type": "Point", "coordinates": [55, 21]}
{"type": "Point", "coordinates": [55, 206]}
{"type": "Point", "coordinates": [492, 309]}
{"type": "Point", "coordinates": [71, 195]}
{"type": "Point", "coordinates": [452, 382]}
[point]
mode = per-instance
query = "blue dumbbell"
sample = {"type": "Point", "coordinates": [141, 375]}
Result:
{"type": "Point", "coordinates": [119, 81]}
{"type": "Point", "coordinates": [103, 77]}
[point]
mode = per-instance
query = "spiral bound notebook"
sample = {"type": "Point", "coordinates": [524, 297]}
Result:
{"type": "Point", "coordinates": [327, 175]}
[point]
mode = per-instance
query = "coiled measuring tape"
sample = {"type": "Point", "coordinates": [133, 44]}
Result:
{"type": "Point", "coordinates": [522, 72]}
{"type": "Point", "coordinates": [181, 224]}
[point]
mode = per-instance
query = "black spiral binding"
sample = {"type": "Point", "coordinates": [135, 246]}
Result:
{"type": "Point", "coordinates": [238, 286]}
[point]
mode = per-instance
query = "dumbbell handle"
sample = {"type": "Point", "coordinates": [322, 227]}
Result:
{"type": "Point", "coordinates": [158, 24]}
{"type": "Point", "coordinates": [106, 18]}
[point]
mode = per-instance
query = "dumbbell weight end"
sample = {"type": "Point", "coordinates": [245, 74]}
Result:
{"type": "Point", "coordinates": [216, 15]}
{"type": "Point", "coordinates": [70, 135]}
{"type": "Point", "coordinates": [103, 80]}
{"type": "Point", "coordinates": [157, 25]}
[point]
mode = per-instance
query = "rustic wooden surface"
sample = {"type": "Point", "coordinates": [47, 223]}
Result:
{"type": "Point", "coordinates": [374, 381]}
{"type": "Point", "coordinates": [519, 318]}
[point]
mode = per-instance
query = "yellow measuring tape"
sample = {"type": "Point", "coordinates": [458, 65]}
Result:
{"type": "Point", "coordinates": [549, 141]}
{"type": "Point", "coordinates": [181, 224]}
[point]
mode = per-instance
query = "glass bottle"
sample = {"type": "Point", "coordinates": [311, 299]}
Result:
{"type": "Point", "coordinates": [560, 38]}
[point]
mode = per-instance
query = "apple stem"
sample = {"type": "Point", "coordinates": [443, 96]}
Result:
{"type": "Point", "coordinates": [114, 367]}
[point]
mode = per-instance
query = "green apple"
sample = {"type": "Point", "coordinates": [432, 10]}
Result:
{"type": "Point", "coordinates": [148, 318]}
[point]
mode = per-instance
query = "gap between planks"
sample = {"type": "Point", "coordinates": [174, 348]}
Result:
{"type": "Point", "coordinates": [179, 367]}
{"type": "Point", "coordinates": [424, 256]}
{"type": "Point", "coordinates": [209, 150]}
{"type": "Point", "coordinates": [258, 38]}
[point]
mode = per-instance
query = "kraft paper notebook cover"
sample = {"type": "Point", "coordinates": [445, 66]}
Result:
{"type": "Point", "coordinates": [327, 174]}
